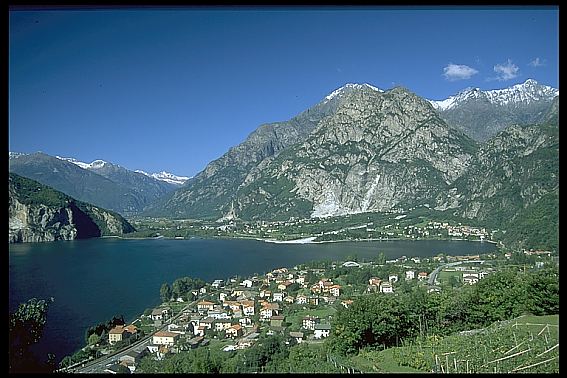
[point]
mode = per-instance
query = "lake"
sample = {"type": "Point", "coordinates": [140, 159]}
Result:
{"type": "Point", "coordinates": [95, 279]}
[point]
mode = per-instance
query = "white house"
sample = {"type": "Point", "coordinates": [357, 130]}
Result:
{"type": "Point", "coordinates": [165, 338]}
{"type": "Point", "coordinates": [386, 287]}
{"type": "Point", "coordinates": [351, 264]}
{"type": "Point", "coordinates": [309, 322]}
{"type": "Point", "coordinates": [222, 324]}
{"type": "Point", "coordinates": [245, 322]}
{"type": "Point", "coordinates": [217, 314]}
{"type": "Point", "coordinates": [247, 283]}
{"type": "Point", "coordinates": [159, 313]}
{"type": "Point", "coordinates": [248, 308]}
{"type": "Point", "coordinates": [410, 275]}
{"type": "Point", "coordinates": [335, 290]}
{"type": "Point", "coordinates": [200, 330]}
{"type": "Point", "coordinates": [234, 331]}
{"type": "Point", "coordinates": [278, 297]}
{"type": "Point", "coordinates": [393, 278]}
{"type": "Point", "coordinates": [470, 279]}
{"type": "Point", "coordinates": [176, 328]}
{"type": "Point", "coordinates": [266, 313]}
{"type": "Point", "coordinates": [322, 330]}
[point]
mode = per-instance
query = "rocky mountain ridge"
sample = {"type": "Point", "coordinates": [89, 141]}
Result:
{"type": "Point", "coordinates": [527, 92]}
{"type": "Point", "coordinates": [369, 156]}
{"type": "Point", "coordinates": [483, 114]}
{"type": "Point", "coordinates": [383, 151]}
{"type": "Point", "coordinates": [97, 165]}
{"type": "Point", "coordinates": [38, 213]}
{"type": "Point", "coordinates": [214, 187]}
{"type": "Point", "coordinates": [101, 183]}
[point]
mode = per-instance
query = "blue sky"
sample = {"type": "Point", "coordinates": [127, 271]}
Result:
{"type": "Point", "coordinates": [172, 89]}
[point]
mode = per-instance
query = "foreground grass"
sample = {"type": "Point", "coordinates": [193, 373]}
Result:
{"type": "Point", "coordinates": [380, 362]}
{"type": "Point", "coordinates": [528, 344]}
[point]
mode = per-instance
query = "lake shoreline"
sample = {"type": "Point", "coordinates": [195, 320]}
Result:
{"type": "Point", "coordinates": [41, 270]}
{"type": "Point", "coordinates": [306, 240]}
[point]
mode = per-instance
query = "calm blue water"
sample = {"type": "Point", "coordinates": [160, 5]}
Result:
{"type": "Point", "coordinates": [92, 280]}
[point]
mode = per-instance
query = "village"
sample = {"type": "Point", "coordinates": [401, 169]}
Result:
{"type": "Point", "coordinates": [297, 303]}
{"type": "Point", "coordinates": [383, 226]}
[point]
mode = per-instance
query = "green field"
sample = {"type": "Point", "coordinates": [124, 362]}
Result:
{"type": "Point", "coordinates": [380, 362]}
{"type": "Point", "coordinates": [444, 276]}
{"type": "Point", "coordinates": [527, 344]}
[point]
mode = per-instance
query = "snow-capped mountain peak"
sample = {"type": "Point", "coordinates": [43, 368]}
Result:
{"type": "Point", "coordinates": [350, 86]}
{"type": "Point", "coordinates": [74, 161]}
{"type": "Point", "coordinates": [96, 164]}
{"type": "Point", "coordinates": [526, 92]}
{"type": "Point", "coordinates": [15, 155]}
{"type": "Point", "coordinates": [166, 176]}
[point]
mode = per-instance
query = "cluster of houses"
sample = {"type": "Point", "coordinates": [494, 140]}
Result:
{"type": "Point", "coordinates": [121, 333]}
{"type": "Point", "coordinates": [237, 311]}
{"type": "Point", "coordinates": [433, 229]}
{"type": "Point", "coordinates": [240, 309]}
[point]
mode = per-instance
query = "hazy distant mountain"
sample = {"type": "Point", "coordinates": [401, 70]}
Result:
{"type": "Point", "coordinates": [39, 213]}
{"type": "Point", "coordinates": [100, 183]}
{"type": "Point", "coordinates": [482, 114]}
{"type": "Point", "coordinates": [114, 171]}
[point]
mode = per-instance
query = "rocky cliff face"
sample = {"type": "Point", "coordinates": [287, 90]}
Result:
{"type": "Point", "coordinates": [373, 150]}
{"type": "Point", "coordinates": [38, 213]}
{"type": "Point", "coordinates": [377, 152]}
{"type": "Point", "coordinates": [510, 172]}
{"type": "Point", "coordinates": [208, 193]}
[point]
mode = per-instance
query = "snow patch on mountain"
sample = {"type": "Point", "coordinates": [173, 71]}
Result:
{"type": "Point", "coordinates": [94, 165]}
{"type": "Point", "coordinates": [166, 176]}
{"type": "Point", "coordinates": [342, 89]}
{"type": "Point", "coordinates": [15, 155]}
{"type": "Point", "coordinates": [527, 92]}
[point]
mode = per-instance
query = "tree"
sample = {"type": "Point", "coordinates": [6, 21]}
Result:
{"type": "Point", "coordinates": [381, 260]}
{"type": "Point", "coordinates": [499, 296]}
{"type": "Point", "coordinates": [543, 292]}
{"type": "Point", "coordinates": [372, 320]}
{"type": "Point", "coordinates": [454, 281]}
{"type": "Point", "coordinates": [94, 339]}
{"type": "Point", "coordinates": [165, 292]}
{"type": "Point", "coordinates": [25, 329]}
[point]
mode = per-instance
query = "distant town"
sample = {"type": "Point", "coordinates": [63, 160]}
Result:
{"type": "Point", "coordinates": [412, 225]}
